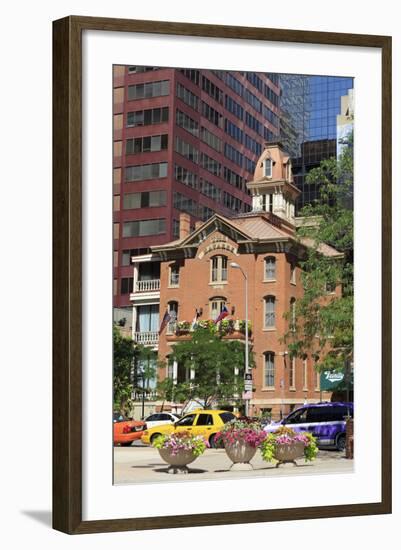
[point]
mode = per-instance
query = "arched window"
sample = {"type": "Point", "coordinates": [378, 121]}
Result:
{"type": "Point", "coordinates": [305, 372]}
{"type": "Point", "coordinates": [269, 369]}
{"type": "Point", "coordinates": [293, 274]}
{"type": "Point", "coordinates": [270, 312]}
{"type": "Point", "coordinates": [270, 268]}
{"type": "Point", "coordinates": [172, 308]}
{"type": "Point", "coordinates": [292, 373]}
{"type": "Point", "coordinates": [293, 314]}
{"type": "Point", "coordinates": [267, 168]}
{"type": "Point", "coordinates": [216, 305]}
{"type": "Point", "coordinates": [174, 275]}
{"type": "Point", "coordinates": [218, 267]}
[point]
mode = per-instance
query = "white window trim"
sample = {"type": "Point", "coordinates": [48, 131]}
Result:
{"type": "Point", "coordinates": [293, 316]}
{"type": "Point", "coordinates": [305, 374]}
{"type": "Point", "coordinates": [293, 365]}
{"type": "Point", "coordinates": [293, 274]}
{"type": "Point", "coordinates": [219, 280]}
{"type": "Point", "coordinates": [272, 327]}
{"type": "Point", "coordinates": [265, 163]}
{"type": "Point", "coordinates": [265, 280]}
{"type": "Point", "coordinates": [269, 388]}
{"type": "Point", "coordinates": [219, 300]}
{"type": "Point", "coordinates": [170, 284]}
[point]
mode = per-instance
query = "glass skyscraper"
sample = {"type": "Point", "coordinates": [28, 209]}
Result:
{"type": "Point", "coordinates": [308, 124]}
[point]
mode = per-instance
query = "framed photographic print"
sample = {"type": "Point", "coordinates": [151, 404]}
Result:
{"type": "Point", "coordinates": [222, 275]}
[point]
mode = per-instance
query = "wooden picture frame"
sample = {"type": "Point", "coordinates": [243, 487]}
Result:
{"type": "Point", "coordinates": [67, 274]}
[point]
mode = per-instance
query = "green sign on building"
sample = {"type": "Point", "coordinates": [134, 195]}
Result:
{"type": "Point", "coordinates": [330, 381]}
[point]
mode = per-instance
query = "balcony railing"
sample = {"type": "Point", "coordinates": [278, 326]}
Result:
{"type": "Point", "coordinates": [150, 338]}
{"type": "Point", "coordinates": [147, 286]}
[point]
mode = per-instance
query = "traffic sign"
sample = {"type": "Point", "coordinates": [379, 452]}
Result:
{"type": "Point", "coordinates": [248, 383]}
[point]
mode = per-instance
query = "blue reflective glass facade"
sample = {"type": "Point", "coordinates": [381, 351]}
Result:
{"type": "Point", "coordinates": [308, 125]}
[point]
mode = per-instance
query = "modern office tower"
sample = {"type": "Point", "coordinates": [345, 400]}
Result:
{"type": "Point", "coordinates": [345, 121]}
{"type": "Point", "coordinates": [185, 141]}
{"type": "Point", "coordinates": [309, 107]}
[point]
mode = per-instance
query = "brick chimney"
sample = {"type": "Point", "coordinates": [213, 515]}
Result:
{"type": "Point", "coordinates": [185, 225]}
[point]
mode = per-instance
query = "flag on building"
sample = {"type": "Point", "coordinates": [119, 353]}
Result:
{"type": "Point", "coordinates": [195, 319]}
{"type": "Point", "coordinates": [223, 314]}
{"type": "Point", "coordinates": [165, 320]}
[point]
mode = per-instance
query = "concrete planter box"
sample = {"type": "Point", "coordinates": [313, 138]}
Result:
{"type": "Point", "coordinates": [289, 452]}
{"type": "Point", "coordinates": [240, 454]}
{"type": "Point", "coordinates": [178, 463]}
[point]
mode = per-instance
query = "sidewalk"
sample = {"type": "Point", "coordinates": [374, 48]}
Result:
{"type": "Point", "coordinates": [144, 465]}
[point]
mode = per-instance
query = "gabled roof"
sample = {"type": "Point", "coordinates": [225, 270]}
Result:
{"type": "Point", "coordinates": [253, 227]}
{"type": "Point", "coordinates": [323, 248]}
{"type": "Point", "coordinates": [250, 228]}
{"type": "Point", "coordinates": [259, 228]}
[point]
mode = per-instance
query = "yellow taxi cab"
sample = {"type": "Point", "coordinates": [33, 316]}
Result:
{"type": "Point", "coordinates": [205, 422]}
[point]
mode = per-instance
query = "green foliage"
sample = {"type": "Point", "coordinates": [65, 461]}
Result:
{"type": "Point", "coordinates": [288, 436]}
{"type": "Point", "coordinates": [181, 441]}
{"type": "Point", "coordinates": [214, 362]}
{"type": "Point", "coordinates": [311, 448]}
{"type": "Point", "coordinates": [324, 319]}
{"type": "Point", "coordinates": [133, 368]}
{"type": "Point", "coordinates": [123, 351]}
{"type": "Point", "coordinates": [168, 391]}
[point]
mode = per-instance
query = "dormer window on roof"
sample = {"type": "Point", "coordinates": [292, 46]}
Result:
{"type": "Point", "coordinates": [268, 167]}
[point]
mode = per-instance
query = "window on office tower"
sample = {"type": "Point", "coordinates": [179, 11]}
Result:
{"type": "Point", "coordinates": [148, 89]}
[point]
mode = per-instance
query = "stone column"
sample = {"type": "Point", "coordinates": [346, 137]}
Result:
{"type": "Point", "coordinates": [175, 372]}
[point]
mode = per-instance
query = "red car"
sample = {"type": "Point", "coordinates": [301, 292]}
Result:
{"type": "Point", "coordinates": [126, 431]}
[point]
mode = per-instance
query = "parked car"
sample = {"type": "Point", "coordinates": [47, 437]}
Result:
{"type": "Point", "coordinates": [126, 431]}
{"type": "Point", "coordinates": [204, 422]}
{"type": "Point", "coordinates": [158, 419]}
{"type": "Point", "coordinates": [326, 421]}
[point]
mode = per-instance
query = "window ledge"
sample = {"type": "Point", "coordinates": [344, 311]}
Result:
{"type": "Point", "coordinates": [268, 388]}
{"type": "Point", "coordinates": [218, 283]}
{"type": "Point", "coordinates": [269, 329]}
{"type": "Point", "coordinates": [292, 388]}
{"type": "Point", "coordinates": [270, 280]}
{"type": "Point", "coordinates": [173, 286]}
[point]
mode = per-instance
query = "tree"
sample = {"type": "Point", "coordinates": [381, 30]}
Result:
{"type": "Point", "coordinates": [123, 353]}
{"type": "Point", "coordinates": [323, 323]}
{"type": "Point", "coordinates": [133, 368]}
{"type": "Point", "coordinates": [167, 390]}
{"type": "Point", "coordinates": [143, 367]}
{"type": "Point", "coordinates": [218, 367]}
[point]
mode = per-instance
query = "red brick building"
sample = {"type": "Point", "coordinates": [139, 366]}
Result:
{"type": "Point", "coordinates": [196, 275]}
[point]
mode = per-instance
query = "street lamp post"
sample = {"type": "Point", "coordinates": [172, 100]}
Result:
{"type": "Point", "coordinates": [237, 266]}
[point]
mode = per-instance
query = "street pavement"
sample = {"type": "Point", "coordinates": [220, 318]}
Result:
{"type": "Point", "coordinates": [142, 464]}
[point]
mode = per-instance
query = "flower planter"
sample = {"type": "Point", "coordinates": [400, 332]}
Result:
{"type": "Point", "coordinates": [240, 453]}
{"type": "Point", "coordinates": [178, 462]}
{"type": "Point", "coordinates": [182, 332]}
{"type": "Point", "coordinates": [285, 445]}
{"type": "Point", "coordinates": [286, 453]}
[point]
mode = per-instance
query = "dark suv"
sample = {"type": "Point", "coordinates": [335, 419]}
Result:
{"type": "Point", "coordinates": [326, 421]}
